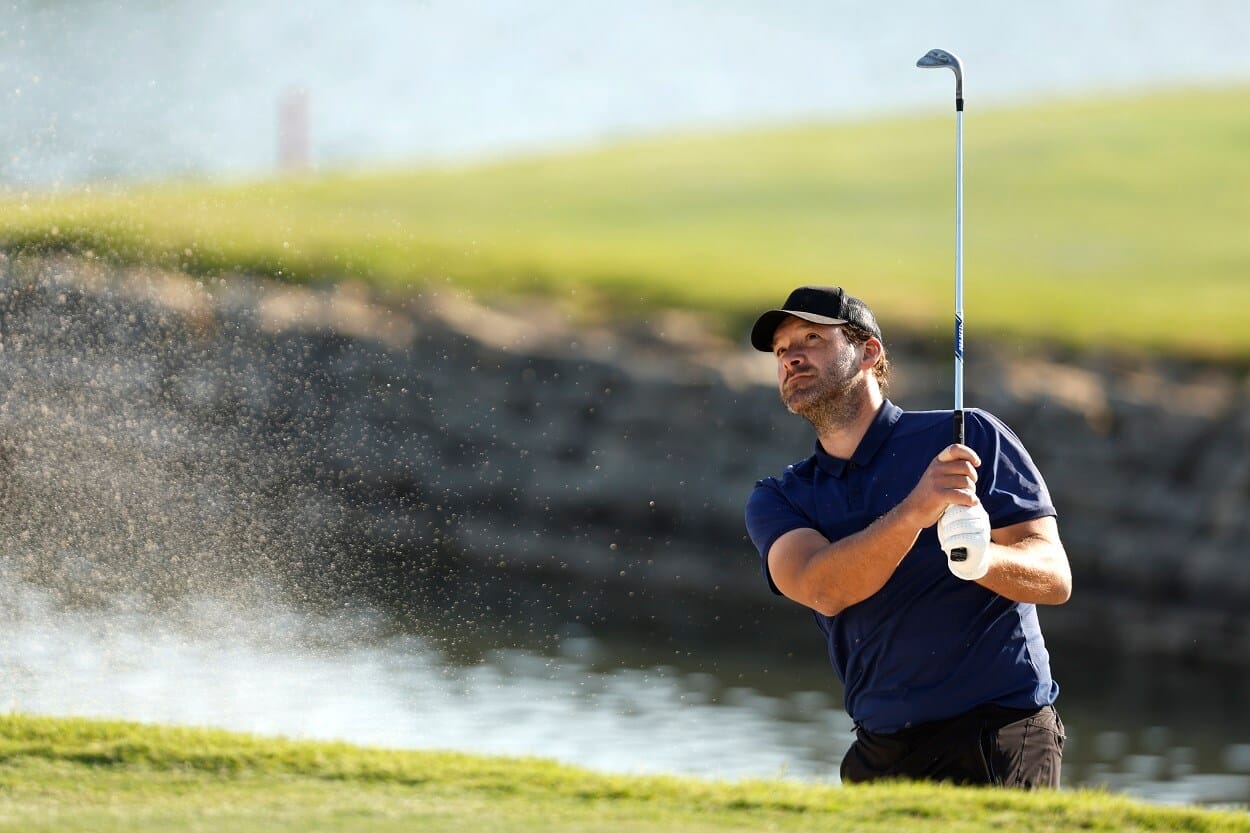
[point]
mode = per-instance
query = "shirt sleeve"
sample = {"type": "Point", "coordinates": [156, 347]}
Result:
{"type": "Point", "coordinates": [1010, 486]}
{"type": "Point", "coordinates": [769, 515]}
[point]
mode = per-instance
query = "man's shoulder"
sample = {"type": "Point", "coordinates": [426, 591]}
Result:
{"type": "Point", "coordinates": [919, 422]}
{"type": "Point", "coordinates": [801, 472]}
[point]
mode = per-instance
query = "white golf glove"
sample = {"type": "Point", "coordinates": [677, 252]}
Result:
{"type": "Point", "coordinates": [967, 527]}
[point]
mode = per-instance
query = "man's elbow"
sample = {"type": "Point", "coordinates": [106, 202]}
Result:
{"type": "Point", "coordinates": [828, 607]}
{"type": "Point", "coordinates": [818, 599]}
{"type": "Point", "coordinates": [831, 601]}
{"type": "Point", "coordinates": [1065, 591]}
{"type": "Point", "coordinates": [1060, 590]}
{"type": "Point", "coordinates": [1057, 596]}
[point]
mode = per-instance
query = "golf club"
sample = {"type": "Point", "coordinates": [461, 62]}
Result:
{"type": "Point", "coordinates": [938, 59]}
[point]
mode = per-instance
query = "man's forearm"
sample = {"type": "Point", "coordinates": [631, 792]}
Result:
{"type": "Point", "coordinates": [854, 568]}
{"type": "Point", "coordinates": [1031, 570]}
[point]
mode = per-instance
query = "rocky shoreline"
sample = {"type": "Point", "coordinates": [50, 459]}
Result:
{"type": "Point", "coordinates": [505, 468]}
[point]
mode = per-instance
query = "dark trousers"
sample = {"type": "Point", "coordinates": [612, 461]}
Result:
{"type": "Point", "coordinates": [989, 745]}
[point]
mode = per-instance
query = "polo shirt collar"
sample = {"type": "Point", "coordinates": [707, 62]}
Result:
{"type": "Point", "coordinates": [874, 438]}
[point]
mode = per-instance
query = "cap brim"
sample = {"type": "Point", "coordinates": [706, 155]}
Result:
{"type": "Point", "coordinates": [766, 325]}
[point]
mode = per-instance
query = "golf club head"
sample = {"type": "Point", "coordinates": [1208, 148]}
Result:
{"type": "Point", "coordinates": [939, 59]}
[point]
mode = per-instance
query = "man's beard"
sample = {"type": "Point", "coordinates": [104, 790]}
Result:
{"type": "Point", "coordinates": [832, 400]}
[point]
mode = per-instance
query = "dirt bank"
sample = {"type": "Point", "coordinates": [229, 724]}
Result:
{"type": "Point", "coordinates": [514, 470]}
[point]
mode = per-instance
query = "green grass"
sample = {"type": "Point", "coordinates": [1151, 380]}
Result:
{"type": "Point", "coordinates": [1115, 222]}
{"type": "Point", "coordinates": [78, 775]}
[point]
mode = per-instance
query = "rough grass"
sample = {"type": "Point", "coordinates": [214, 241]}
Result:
{"type": "Point", "coordinates": [79, 775]}
{"type": "Point", "coordinates": [1115, 221]}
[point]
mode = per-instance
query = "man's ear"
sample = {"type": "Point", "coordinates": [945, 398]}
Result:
{"type": "Point", "coordinates": [872, 352]}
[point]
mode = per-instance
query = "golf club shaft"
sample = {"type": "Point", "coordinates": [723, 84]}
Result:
{"type": "Point", "coordinates": [959, 273]}
{"type": "Point", "coordinates": [941, 59]}
{"type": "Point", "coordinates": [959, 553]}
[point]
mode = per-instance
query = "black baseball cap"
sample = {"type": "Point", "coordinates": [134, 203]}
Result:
{"type": "Point", "coordinates": [818, 304]}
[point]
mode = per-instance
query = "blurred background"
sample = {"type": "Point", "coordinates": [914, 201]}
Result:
{"type": "Point", "coordinates": [377, 372]}
{"type": "Point", "coordinates": [152, 90]}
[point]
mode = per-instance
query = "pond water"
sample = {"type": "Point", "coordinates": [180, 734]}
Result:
{"type": "Point", "coordinates": [130, 89]}
{"type": "Point", "coordinates": [1168, 735]}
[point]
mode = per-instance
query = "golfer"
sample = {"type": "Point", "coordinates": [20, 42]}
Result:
{"type": "Point", "coordinates": [945, 671]}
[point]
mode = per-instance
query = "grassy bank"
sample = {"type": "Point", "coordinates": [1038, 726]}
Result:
{"type": "Point", "coordinates": [1116, 220]}
{"type": "Point", "coordinates": [77, 775]}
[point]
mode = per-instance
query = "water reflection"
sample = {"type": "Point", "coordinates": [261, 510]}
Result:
{"type": "Point", "coordinates": [271, 670]}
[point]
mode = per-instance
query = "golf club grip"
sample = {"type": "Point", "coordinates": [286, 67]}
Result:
{"type": "Point", "coordinates": [959, 553]}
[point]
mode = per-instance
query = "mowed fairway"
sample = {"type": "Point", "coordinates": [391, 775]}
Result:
{"type": "Point", "coordinates": [1119, 220]}
{"type": "Point", "coordinates": [77, 775]}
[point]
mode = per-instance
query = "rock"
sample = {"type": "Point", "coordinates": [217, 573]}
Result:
{"type": "Point", "coordinates": [163, 433]}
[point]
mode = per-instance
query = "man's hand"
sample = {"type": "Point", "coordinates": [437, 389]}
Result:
{"type": "Point", "coordinates": [966, 527]}
{"type": "Point", "coordinates": [950, 480]}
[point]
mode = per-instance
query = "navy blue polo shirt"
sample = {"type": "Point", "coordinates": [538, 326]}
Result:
{"type": "Point", "coordinates": [927, 645]}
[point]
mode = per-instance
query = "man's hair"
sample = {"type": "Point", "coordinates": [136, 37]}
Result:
{"type": "Point", "coordinates": [858, 335]}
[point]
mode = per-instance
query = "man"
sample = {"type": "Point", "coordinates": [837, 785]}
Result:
{"type": "Point", "coordinates": [945, 670]}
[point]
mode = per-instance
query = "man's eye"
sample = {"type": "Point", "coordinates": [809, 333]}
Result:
{"type": "Point", "coordinates": [813, 336]}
